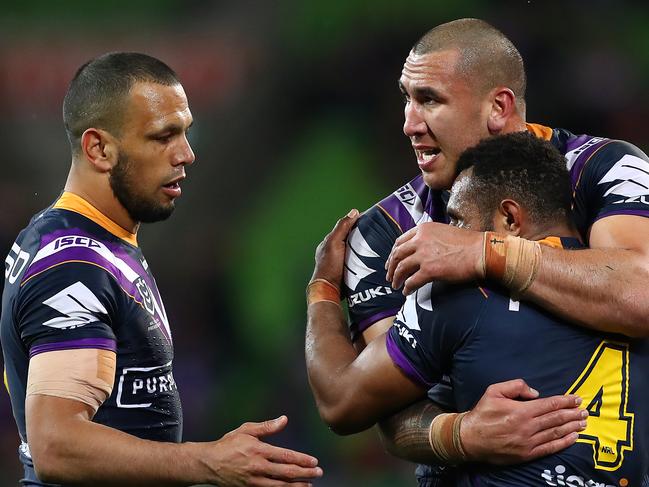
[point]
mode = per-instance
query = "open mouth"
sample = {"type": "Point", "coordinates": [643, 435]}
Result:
{"type": "Point", "coordinates": [426, 158]}
{"type": "Point", "coordinates": [428, 155]}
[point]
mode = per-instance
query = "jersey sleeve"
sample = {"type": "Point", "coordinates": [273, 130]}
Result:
{"type": "Point", "coordinates": [69, 306]}
{"type": "Point", "coordinates": [614, 181]}
{"type": "Point", "coordinates": [370, 297]}
{"type": "Point", "coordinates": [427, 332]}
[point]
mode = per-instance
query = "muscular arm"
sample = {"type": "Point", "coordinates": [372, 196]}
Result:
{"type": "Point", "coordinates": [405, 434]}
{"type": "Point", "coordinates": [604, 287]}
{"type": "Point", "coordinates": [67, 447]}
{"type": "Point", "coordinates": [499, 429]}
{"type": "Point", "coordinates": [351, 391]}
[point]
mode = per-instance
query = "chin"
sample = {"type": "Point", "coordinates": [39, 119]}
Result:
{"type": "Point", "coordinates": [437, 181]}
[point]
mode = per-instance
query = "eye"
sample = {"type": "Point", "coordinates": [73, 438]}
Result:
{"type": "Point", "coordinates": [163, 138]}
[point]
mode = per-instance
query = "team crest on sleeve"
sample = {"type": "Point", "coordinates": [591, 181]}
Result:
{"type": "Point", "coordinates": [631, 175]}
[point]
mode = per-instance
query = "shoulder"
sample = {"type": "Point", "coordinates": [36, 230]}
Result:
{"type": "Point", "coordinates": [408, 205]}
{"type": "Point", "coordinates": [596, 154]}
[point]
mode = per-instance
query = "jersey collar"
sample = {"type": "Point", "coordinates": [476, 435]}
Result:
{"type": "Point", "coordinates": [541, 131]}
{"type": "Point", "coordinates": [72, 202]}
{"type": "Point", "coordinates": [562, 242]}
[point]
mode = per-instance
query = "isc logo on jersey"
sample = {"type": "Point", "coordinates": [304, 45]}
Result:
{"type": "Point", "coordinates": [77, 241]}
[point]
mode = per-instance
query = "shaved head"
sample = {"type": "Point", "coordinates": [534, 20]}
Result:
{"type": "Point", "coordinates": [487, 58]}
{"type": "Point", "coordinates": [98, 93]}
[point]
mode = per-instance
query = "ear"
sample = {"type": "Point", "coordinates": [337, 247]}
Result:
{"type": "Point", "coordinates": [509, 218]}
{"type": "Point", "coordinates": [99, 148]}
{"type": "Point", "coordinates": [503, 106]}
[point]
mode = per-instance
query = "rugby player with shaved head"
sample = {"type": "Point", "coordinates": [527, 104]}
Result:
{"type": "Point", "coordinates": [464, 81]}
{"type": "Point", "coordinates": [86, 340]}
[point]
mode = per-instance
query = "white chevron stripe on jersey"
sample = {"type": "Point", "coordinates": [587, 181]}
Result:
{"type": "Point", "coordinates": [355, 268]}
{"type": "Point", "coordinates": [77, 303]}
{"type": "Point", "coordinates": [412, 203]}
{"type": "Point", "coordinates": [408, 313]}
{"type": "Point", "coordinates": [633, 174]}
{"type": "Point", "coordinates": [358, 243]}
{"type": "Point", "coordinates": [424, 297]}
{"type": "Point", "coordinates": [70, 241]}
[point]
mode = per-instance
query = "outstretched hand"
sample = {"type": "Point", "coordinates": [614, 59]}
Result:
{"type": "Point", "coordinates": [434, 251]}
{"type": "Point", "coordinates": [330, 254]}
{"type": "Point", "coordinates": [241, 459]}
{"type": "Point", "coordinates": [501, 429]}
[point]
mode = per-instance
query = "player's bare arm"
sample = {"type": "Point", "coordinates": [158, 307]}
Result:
{"type": "Point", "coordinates": [354, 391]}
{"type": "Point", "coordinates": [67, 447]}
{"type": "Point", "coordinates": [603, 287]}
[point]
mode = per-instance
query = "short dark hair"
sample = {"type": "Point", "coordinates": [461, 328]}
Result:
{"type": "Point", "coordinates": [487, 56]}
{"type": "Point", "coordinates": [97, 93]}
{"type": "Point", "coordinates": [524, 168]}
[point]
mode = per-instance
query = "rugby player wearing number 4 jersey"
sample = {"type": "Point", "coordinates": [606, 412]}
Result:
{"type": "Point", "coordinates": [464, 81]}
{"type": "Point", "coordinates": [85, 337]}
{"type": "Point", "coordinates": [509, 186]}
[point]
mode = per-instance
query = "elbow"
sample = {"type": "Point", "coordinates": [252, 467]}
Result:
{"type": "Point", "coordinates": [343, 419]}
{"type": "Point", "coordinates": [48, 463]}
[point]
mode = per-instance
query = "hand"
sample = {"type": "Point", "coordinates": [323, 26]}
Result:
{"type": "Point", "coordinates": [434, 251]}
{"type": "Point", "coordinates": [330, 254]}
{"type": "Point", "coordinates": [502, 430]}
{"type": "Point", "coordinates": [240, 459]}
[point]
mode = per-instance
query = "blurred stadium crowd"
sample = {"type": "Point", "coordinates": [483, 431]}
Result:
{"type": "Point", "coordinates": [297, 119]}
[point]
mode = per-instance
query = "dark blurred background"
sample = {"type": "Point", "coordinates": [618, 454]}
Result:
{"type": "Point", "coordinates": [297, 119]}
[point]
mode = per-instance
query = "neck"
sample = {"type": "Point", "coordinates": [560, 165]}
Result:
{"type": "Point", "coordinates": [514, 124]}
{"type": "Point", "coordinates": [95, 189]}
{"type": "Point", "coordinates": [562, 229]}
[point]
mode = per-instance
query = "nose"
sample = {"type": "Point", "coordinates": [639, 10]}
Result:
{"type": "Point", "coordinates": [414, 124]}
{"type": "Point", "coordinates": [184, 154]}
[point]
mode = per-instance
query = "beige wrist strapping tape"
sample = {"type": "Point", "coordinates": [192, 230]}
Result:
{"type": "Point", "coordinates": [85, 375]}
{"type": "Point", "coordinates": [513, 261]}
{"type": "Point", "coordinates": [322, 290]}
{"type": "Point", "coordinates": [444, 438]}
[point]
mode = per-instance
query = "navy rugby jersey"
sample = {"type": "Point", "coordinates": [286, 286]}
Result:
{"type": "Point", "coordinates": [74, 279]}
{"type": "Point", "coordinates": [480, 336]}
{"type": "Point", "coordinates": [609, 177]}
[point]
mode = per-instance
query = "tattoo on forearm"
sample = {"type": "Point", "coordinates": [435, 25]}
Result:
{"type": "Point", "coordinates": [405, 434]}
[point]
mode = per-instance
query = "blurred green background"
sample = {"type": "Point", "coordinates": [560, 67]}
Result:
{"type": "Point", "coordinates": [298, 119]}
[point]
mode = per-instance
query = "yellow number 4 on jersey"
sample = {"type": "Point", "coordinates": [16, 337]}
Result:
{"type": "Point", "coordinates": [604, 387]}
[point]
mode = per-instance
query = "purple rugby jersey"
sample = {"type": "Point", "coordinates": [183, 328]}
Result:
{"type": "Point", "coordinates": [74, 280]}
{"type": "Point", "coordinates": [609, 177]}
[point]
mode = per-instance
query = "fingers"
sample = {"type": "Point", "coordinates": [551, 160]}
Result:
{"type": "Point", "coordinates": [264, 428]}
{"type": "Point", "coordinates": [283, 455]}
{"type": "Point", "coordinates": [288, 472]}
{"type": "Point", "coordinates": [265, 482]}
{"type": "Point", "coordinates": [404, 270]}
{"type": "Point", "coordinates": [398, 254]}
{"type": "Point", "coordinates": [414, 282]}
{"type": "Point", "coordinates": [551, 447]}
{"type": "Point", "coordinates": [512, 389]}
{"type": "Point", "coordinates": [344, 225]}
{"type": "Point", "coordinates": [557, 419]}
{"type": "Point", "coordinates": [547, 405]}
